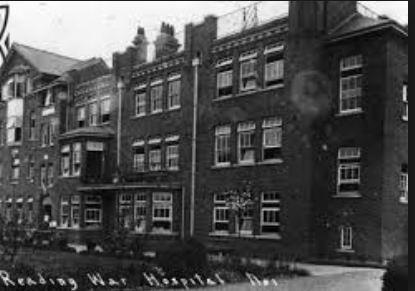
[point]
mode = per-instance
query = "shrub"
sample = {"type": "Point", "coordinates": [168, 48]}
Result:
{"type": "Point", "coordinates": [396, 276]}
{"type": "Point", "coordinates": [182, 259]}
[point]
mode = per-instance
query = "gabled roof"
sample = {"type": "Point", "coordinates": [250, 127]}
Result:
{"type": "Point", "coordinates": [44, 61]}
{"type": "Point", "coordinates": [358, 24]}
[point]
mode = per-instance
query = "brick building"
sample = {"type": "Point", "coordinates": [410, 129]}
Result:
{"type": "Point", "coordinates": [304, 111]}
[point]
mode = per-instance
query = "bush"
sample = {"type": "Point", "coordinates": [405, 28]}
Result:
{"type": "Point", "coordinates": [396, 276]}
{"type": "Point", "coordinates": [182, 259]}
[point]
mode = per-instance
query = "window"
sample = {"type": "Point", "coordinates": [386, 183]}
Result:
{"type": "Point", "coordinates": [246, 142]}
{"type": "Point", "coordinates": [15, 164]}
{"type": "Point", "coordinates": [9, 210]}
{"type": "Point", "coordinates": [93, 114]}
{"type": "Point", "coordinates": [172, 157]}
{"type": "Point", "coordinates": [138, 156]}
{"type": "Point", "coordinates": [140, 212]}
{"type": "Point", "coordinates": [93, 211]}
{"type": "Point", "coordinates": [46, 132]}
{"type": "Point", "coordinates": [80, 116]}
{"type": "Point", "coordinates": [405, 115]}
{"type": "Point", "coordinates": [272, 139]}
{"type": "Point", "coordinates": [32, 126]}
{"type": "Point", "coordinates": [173, 98]}
{"type": "Point", "coordinates": [274, 65]}
{"type": "Point", "coordinates": [220, 214]}
{"type": "Point", "coordinates": [346, 238]}
{"type": "Point", "coordinates": [156, 99]}
{"type": "Point", "coordinates": [162, 212]}
{"type": "Point", "coordinates": [2, 132]}
{"type": "Point", "coordinates": [65, 211]}
{"type": "Point", "coordinates": [249, 76]}
{"type": "Point", "coordinates": [31, 169]}
{"type": "Point", "coordinates": [246, 224]}
{"type": "Point", "coordinates": [155, 157]}
{"type": "Point", "coordinates": [75, 211]}
{"type": "Point", "coordinates": [270, 214]}
{"type": "Point", "coordinates": [65, 160]}
{"type": "Point", "coordinates": [76, 159]}
{"type": "Point", "coordinates": [125, 208]}
{"type": "Point", "coordinates": [222, 145]}
{"type": "Point", "coordinates": [404, 184]}
{"type": "Point", "coordinates": [348, 171]}
{"type": "Point", "coordinates": [14, 121]}
{"type": "Point", "coordinates": [140, 103]}
{"type": "Point", "coordinates": [30, 217]}
{"type": "Point", "coordinates": [105, 110]}
{"type": "Point", "coordinates": [50, 175]}
{"type": "Point", "coordinates": [351, 84]}
{"type": "Point", "coordinates": [224, 77]}
{"type": "Point", "coordinates": [43, 175]}
{"type": "Point", "coordinates": [48, 98]}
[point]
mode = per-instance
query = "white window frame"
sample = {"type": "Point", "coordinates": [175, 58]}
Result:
{"type": "Point", "coordinates": [354, 93]}
{"type": "Point", "coordinates": [274, 71]}
{"type": "Point", "coordinates": [403, 187]}
{"type": "Point", "coordinates": [154, 158]}
{"type": "Point", "coordinates": [219, 205]}
{"type": "Point", "coordinates": [139, 159]}
{"type": "Point", "coordinates": [80, 116]}
{"type": "Point", "coordinates": [96, 208]}
{"type": "Point", "coordinates": [93, 114]}
{"type": "Point", "coordinates": [346, 238]}
{"type": "Point", "coordinates": [346, 162]}
{"type": "Point", "coordinates": [265, 209]}
{"type": "Point", "coordinates": [405, 115]}
{"type": "Point", "coordinates": [66, 161]}
{"type": "Point", "coordinates": [351, 63]}
{"type": "Point", "coordinates": [165, 204]}
{"type": "Point", "coordinates": [141, 203]}
{"type": "Point", "coordinates": [65, 202]}
{"type": "Point", "coordinates": [125, 204]}
{"type": "Point", "coordinates": [140, 103]}
{"type": "Point", "coordinates": [105, 109]}
{"type": "Point", "coordinates": [224, 79]}
{"type": "Point", "coordinates": [252, 61]}
{"type": "Point", "coordinates": [174, 93]}
{"type": "Point", "coordinates": [172, 155]}
{"type": "Point", "coordinates": [156, 98]}
{"type": "Point", "coordinates": [222, 132]}
{"type": "Point", "coordinates": [270, 125]}
{"type": "Point", "coordinates": [244, 129]}
{"type": "Point", "coordinates": [75, 206]}
{"type": "Point", "coordinates": [76, 159]}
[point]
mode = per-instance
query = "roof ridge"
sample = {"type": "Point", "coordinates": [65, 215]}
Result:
{"type": "Point", "coordinates": [45, 51]}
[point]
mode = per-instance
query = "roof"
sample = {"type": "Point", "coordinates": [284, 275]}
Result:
{"type": "Point", "coordinates": [359, 23]}
{"type": "Point", "coordinates": [44, 61]}
{"type": "Point", "coordinates": [92, 131]}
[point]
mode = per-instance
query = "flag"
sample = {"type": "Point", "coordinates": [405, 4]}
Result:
{"type": "Point", "coordinates": [4, 33]}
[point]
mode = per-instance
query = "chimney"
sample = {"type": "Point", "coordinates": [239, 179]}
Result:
{"type": "Point", "coordinates": [140, 45]}
{"type": "Point", "coordinates": [166, 43]}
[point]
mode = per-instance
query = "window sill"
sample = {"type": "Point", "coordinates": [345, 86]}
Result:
{"type": "Point", "coordinates": [405, 119]}
{"type": "Point", "coordinates": [242, 165]}
{"type": "Point", "coordinates": [345, 251]}
{"type": "Point", "coordinates": [219, 167]}
{"type": "Point", "coordinates": [349, 113]}
{"type": "Point", "coordinates": [250, 236]}
{"type": "Point", "coordinates": [172, 109]}
{"type": "Point", "coordinates": [403, 201]}
{"type": "Point", "coordinates": [247, 93]}
{"type": "Point", "coordinates": [271, 162]}
{"type": "Point", "coordinates": [14, 144]}
{"type": "Point", "coordinates": [347, 195]}
{"type": "Point", "coordinates": [155, 113]}
{"type": "Point", "coordinates": [138, 116]}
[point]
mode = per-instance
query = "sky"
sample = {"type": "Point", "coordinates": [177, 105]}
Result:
{"type": "Point", "coordinates": [97, 29]}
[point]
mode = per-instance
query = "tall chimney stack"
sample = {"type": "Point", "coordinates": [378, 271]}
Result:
{"type": "Point", "coordinates": [140, 44]}
{"type": "Point", "coordinates": [166, 43]}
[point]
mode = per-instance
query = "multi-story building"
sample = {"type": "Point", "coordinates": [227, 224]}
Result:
{"type": "Point", "coordinates": [301, 115]}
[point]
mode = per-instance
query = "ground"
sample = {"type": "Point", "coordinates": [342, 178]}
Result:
{"type": "Point", "coordinates": [330, 278]}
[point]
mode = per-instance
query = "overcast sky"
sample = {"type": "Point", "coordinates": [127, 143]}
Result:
{"type": "Point", "coordinates": [86, 29]}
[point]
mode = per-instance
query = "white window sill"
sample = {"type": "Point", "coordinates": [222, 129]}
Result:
{"type": "Point", "coordinates": [242, 235]}
{"type": "Point", "coordinates": [403, 201]}
{"type": "Point", "coordinates": [247, 93]}
{"type": "Point", "coordinates": [348, 195]}
{"type": "Point", "coordinates": [138, 116]}
{"type": "Point", "coordinates": [156, 112]}
{"type": "Point", "coordinates": [253, 164]}
{"type": "Point", "coordinates": [271, 162]}
{"type": "Point", "coordinates": [405, 118]}
{"type": "Point", "coordinates": [173, 170]}
{"type": "Point", "coordinates": [244, 164]}
{"type": "Point", "coordinates": [222, 166]}
{"type": "Point", "coordinates": [69, 177]}
{"type": "Point", "coordinates": [349, 113]}
{"type": "Point", "coordinates": [345, 251]}
{"type": "Point", "coordinates": [175, 108]}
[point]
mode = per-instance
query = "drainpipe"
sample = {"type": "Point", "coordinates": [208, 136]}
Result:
{"type": "Point", "coordinates": [120, 87]}
{"type": "Point", "coordinates": [195, 63]}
